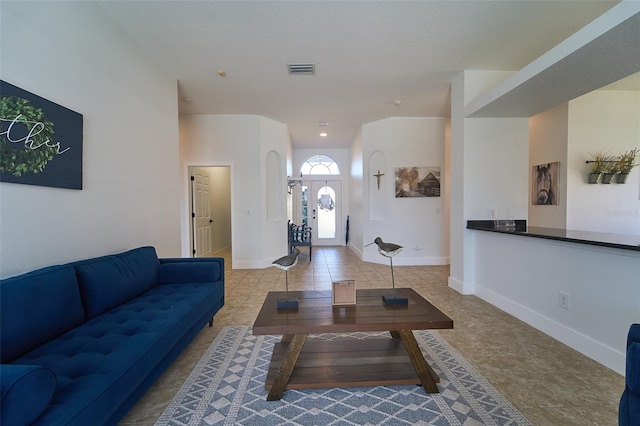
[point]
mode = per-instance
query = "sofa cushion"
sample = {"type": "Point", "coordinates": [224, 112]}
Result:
{"type": "Point", "coordinates": [184, 272]}
{"type": "Point", "coordinates": [25, 392]}
{"type": "Point", "coordinates": [143, 262]}
{"type": "Point", "coordinates": [107, 358]}
{"type": "Point", "coordinates": [37, 307]}
{"type": "Point", "coordinates": [106, 282]}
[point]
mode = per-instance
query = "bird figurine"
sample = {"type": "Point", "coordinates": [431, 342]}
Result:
{"type": "Point", "coordinates": [389, 250]}
{"type": "Point", "coordinates": [285, 263]}
{"type": "Point", "coordinates": [386, 249]}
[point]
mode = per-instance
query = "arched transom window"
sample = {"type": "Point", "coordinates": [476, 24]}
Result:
{"type": "Point", "coordinates": [319, 165]}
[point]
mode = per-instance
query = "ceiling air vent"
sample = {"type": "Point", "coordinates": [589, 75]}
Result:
{"type": "Point", "coordinates": [302, 69]}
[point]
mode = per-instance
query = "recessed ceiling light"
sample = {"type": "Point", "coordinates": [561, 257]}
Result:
{"type": "Point", "coordinates": [322, 124]}
{"type": "Point", "coordinates": [222, 73]}
{"type": "Point", "coordinates": [323, 134]}
{"type": "Point", "coordinates": [397, 102]}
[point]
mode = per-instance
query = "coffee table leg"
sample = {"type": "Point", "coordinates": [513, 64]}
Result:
{"type": "Point", "coordinates": [425, 372]}
{"type": "Point", "coordinates": [288, 363]}
{"type": "Point", "coordinates": [287, 337]}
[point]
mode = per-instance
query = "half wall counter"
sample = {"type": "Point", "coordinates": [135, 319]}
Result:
{"type": "Point", "coordinates": [602, 239]}
{"type": "Point", "coordinates": [581, 288]}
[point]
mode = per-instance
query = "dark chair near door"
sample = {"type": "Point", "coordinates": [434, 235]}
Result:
{"type": "Point", "coordinates": [299, 235]}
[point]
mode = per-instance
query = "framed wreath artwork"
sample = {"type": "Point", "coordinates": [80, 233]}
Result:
{"type": "Point", "coordinates": [40, 141]}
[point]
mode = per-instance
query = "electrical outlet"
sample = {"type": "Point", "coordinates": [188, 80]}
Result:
{"type": "Point", "coordinates": [563, 300]}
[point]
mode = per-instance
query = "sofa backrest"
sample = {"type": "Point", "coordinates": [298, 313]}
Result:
{"type": "Point", "coordinates": [108, 281]}
{"type": "Point", "coordinates": [37, 307]}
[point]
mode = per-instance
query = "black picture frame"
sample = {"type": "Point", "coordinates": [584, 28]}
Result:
{"type": "Point", "coordinates": [40, 141]}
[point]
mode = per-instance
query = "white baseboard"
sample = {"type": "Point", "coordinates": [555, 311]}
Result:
{"type": "Point", "coordinates": [221, 249]}
{"type": "Point", "coordinates": [251, 264]}
{"type": "Point", "coordinates": [460, 287]}
{"type": "Point", "coordinates": [408, 261]}
{"type": "Point", "coordinates": [419, 261]}
{"type": "Point", "coordinates": [356, 251]}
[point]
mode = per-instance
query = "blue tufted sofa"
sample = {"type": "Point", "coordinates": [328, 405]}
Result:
{"type": "Point", "coordinates": [629, 410]}
{"type": "Point", "coordinates": [80, 343]}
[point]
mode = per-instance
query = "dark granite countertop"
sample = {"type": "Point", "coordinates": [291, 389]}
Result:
{"type": "Point", "coordinates": [603, 239]}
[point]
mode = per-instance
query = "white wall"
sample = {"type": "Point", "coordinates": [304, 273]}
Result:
{"type": "Point", "coordinates": [446, 177]}
{"type": "Point", "coordinates": [489, 171]}
{"type": "Point", "coordinates": [274, 137]}
{"type": "Point", "coordinates": [71, 54]}
{"type": "Point", "coordinates": [461, 250]}
{"type": "Point", "coordinates": [241, 142]}
{"type": "Point", "coordinates": [607, 121]}
{"type": "Point", "coordinates": [289, 173]}
{"type": "Point", "coordinates": [547, 144]}
{"type": "Point", "coordinates": [496, 167]}
{"type": "Point", "coordinates": [418, 224]}
{"type": "Point", "coordinates": [356, 189]}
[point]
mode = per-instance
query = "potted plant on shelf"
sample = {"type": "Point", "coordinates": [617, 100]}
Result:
{"type": "Point", "coordinates": [610, 170]}
{"type": "Point", "coordinates": [626, 162]}
{"type": "Point", "coordinates": [597, 162]}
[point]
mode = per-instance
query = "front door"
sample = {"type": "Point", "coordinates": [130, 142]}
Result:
{"type": "Point", "coordinates": [325, 211]}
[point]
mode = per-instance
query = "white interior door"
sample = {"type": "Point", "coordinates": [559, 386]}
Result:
{"type": "Point", "coordinates": [325, 211]}
{"type": "Point", "coordinates": [202, 219]}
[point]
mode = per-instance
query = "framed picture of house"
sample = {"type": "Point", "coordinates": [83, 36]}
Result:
{"type": "Point", "coordinates": [417, 182]}
{"type": "Point", "coordinates": [545, 184]}
{"type": "Point", "coordinates": [40, 141]}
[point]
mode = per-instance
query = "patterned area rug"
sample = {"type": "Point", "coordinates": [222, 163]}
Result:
{"type": "Point", "coordinates": [227, 388]}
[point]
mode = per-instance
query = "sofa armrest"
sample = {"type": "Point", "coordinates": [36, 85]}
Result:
{"type": "Point", "coordinates": [25, 393]}
{"type": "Point", "coordinates": [189, 270]}
{"type": "Point", "coordinates": [634, 334]}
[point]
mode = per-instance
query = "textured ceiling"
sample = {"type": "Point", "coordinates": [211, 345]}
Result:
{"type": "Point", "coordinates": [368, 54]}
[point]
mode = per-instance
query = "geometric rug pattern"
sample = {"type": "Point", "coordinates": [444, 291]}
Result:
{"type": "Point", "coordinates": [227, 388]}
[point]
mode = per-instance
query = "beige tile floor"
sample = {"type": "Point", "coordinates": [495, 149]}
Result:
{"type": "Point", "coordinates": [550, 383]}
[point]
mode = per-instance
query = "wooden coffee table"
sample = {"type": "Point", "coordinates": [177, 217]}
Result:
{"type": "Point", "coordinates": [298, 364]}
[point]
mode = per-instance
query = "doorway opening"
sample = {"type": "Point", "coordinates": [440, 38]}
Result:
{"type": "Point", "coordinates": [210, 209]}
